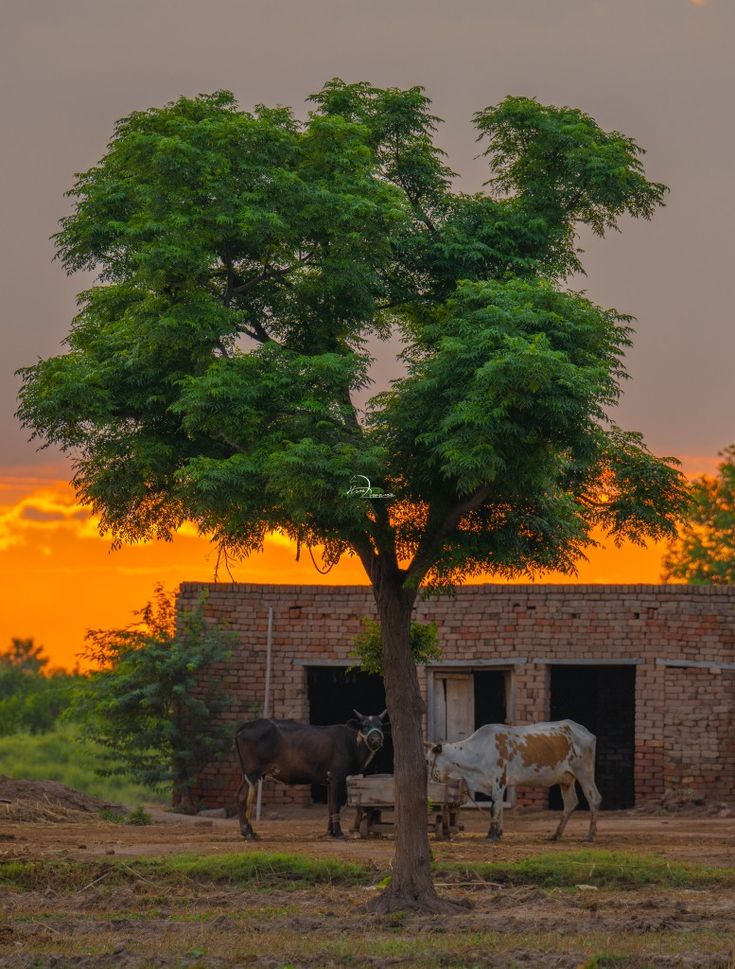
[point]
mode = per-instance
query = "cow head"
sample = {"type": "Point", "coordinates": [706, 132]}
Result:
{"type": "Point", "coordinates": [371, 730]}
{"type": "Point", "coordinates": [432, 751]}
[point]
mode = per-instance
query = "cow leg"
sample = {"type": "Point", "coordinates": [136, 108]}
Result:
{"type": "Point", "coordinates": [245, 807]}
{"type": "Point", "coordinates": [569, 796]}
{"type": "Point", "coordinates": [495, 832]}
{"type": "Point", "coordinates": [594, 799]}
{"type": "Point", "coordinates": [336, 797]}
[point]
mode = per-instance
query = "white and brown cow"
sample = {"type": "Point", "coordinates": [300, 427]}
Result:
{"type": "Point", "coordinates": [542, 754]}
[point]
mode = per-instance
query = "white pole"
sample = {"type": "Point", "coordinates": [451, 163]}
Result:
{"type": "Point", "coordinates": [267, 697]}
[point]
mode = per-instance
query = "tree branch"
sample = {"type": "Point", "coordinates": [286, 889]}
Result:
{"type": "Point", "coordinates": [267, 273]}
{"type": "Point", "coordinates": [432, 542]}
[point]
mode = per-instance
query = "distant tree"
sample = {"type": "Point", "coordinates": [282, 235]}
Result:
{"type": "Point", "coordinates": [704, 552]}
{"type": "Point", "coordinates": [23, 654]}
{"type": "Point", "coordinates": [245, 258]}
{"type": "Point", "coordinates": [155, 700]}
{"type": "Point", "coordinates": [32, 698]}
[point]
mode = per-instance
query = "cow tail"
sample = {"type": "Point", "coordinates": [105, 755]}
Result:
{"type": "Point", "coordinates": [239, 755]}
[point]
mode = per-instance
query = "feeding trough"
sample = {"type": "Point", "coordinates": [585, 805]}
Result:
{"type": "Point", "coordinates": [373, 795]}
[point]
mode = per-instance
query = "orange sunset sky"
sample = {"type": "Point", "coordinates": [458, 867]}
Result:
{"type": "Point", "coordinates": [59, 577]}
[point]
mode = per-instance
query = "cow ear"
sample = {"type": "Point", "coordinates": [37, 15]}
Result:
{"type": "Point", "coordinates": [437, 749]}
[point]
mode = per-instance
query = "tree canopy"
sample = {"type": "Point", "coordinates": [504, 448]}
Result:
{"type": "Point", "coordinates": [704, 552]}
{"type": "Point", "coordinates": [244, 258]}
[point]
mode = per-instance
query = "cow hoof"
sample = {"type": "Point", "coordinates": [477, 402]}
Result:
{"type": "Point", "coordinates": [492, 837]}
{"type": "Point", "coordinates": [250, 836]}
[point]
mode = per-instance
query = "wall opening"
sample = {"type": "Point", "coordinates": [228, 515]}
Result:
{"type": "Point", "coordinates": [334, 692]}
{"type": "Point", "coordinates": [465, 699]}
{"type": "Point", "coordinates": [490, 696]}
{"type": "Point", "coordinates": [602, 698]}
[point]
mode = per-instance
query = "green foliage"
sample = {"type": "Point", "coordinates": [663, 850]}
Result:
{"type": "Point", "coordinates": [113, 817]}
{"type": "Point", "coordinates": [561, 167]}
{"type": "Point", "coordinates": [369, 648]}
{"type": "Point", "coordinates": [139, 816]}
{"type": "Point", "coordinates": [704, 553]}
{"type": "Point", "coordinates": [23, 655]}
{"type": "Point", "coordinates": [605, 869]}
{"type": "Point", "coordinates": [31, 699]}
{"type": "Point", "coordinates": [253, 869]}
{"type": "Point", "coordinates": [243, 258]}
{"type": "Point", "coordinates": [63, 755]}
{"type": "Point", "coordinates": [154, 702]}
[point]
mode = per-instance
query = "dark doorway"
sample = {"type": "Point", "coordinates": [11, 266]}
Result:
{"type": "Point", "coordinates": [490, 706]}
{"type": "Point", "coordinates": [489, 697]}
{"type": "Point", "coordinates": [601, 698]}
{"type": "Point", "coordinates": [335, 692]}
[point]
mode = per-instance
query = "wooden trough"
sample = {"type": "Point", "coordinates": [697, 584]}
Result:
{"type": "Point", "coordinates": [376, 793]}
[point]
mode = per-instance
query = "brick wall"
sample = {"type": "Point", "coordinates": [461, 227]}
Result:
{"type": "Point", "coordinates": [684, 714]}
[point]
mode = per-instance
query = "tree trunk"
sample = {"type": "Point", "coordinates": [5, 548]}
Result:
{"type": "Point", "coordinates": [412, 885]}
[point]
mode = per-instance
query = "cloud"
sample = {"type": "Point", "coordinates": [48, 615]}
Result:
{"type": "Point", "coordinates": [48, 508]}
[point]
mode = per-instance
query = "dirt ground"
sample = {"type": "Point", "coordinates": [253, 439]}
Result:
{"type": "Point", "coordinates": [132, 927]}
{"type": "Point", "coordinates": [694, 837]}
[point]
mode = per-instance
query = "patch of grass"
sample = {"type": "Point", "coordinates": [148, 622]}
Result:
{"type": "Point", "coordinates": [256, 870]}
{"type": "Point", "coordinates": [604, 961]}
{"type": "Point", "coordinates": [264, 871]}
{"type": "Point", "coordinates": [604, 869]}
{"type": "Point", "coordinates": [262, 868]}
{"type": "Point", "coordinates": [113, 817]}
{"type": "Point", "coordinates": [62, 755]}
{"type": "Point", "coordinates": [139, 816]}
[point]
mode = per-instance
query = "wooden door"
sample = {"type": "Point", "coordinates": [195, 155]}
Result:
{"type": "Point", "coordinates": [454, 706]}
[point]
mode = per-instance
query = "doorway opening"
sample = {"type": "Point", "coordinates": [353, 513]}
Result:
{"type": "Point", "coordinates": [464, 700]}
{"type": "Point", "coordinates": [467, 699]}
{"type": "Point", "coordinates": [601, 698]}
{"type": "Point", "coordinates": [334, 693]}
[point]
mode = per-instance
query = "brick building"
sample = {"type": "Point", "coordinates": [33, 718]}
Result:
{"type": "Point", "coordinates": [649, 669]}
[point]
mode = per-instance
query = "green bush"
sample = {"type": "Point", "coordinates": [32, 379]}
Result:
{"type": "Point", "coordinates": [139, 816]}
{"type": "Point", "coordinates": [154, 701]}
{"type": "Point", "coordinates": [424, 639]}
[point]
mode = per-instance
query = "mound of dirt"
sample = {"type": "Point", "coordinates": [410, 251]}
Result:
{"type": "Point", "coordinates": [48, 801]}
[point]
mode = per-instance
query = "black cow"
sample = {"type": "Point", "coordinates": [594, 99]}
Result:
{"type": "Point", "coordinates": [300, 753]}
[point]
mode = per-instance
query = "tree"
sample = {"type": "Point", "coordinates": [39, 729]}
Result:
{"type": "Point", "coordinates": [155, 698]}
{"type": "Point", "coordinates": [704, 552]}
{"type": "Point", "coordinates": [31, 697]}
{"type": "Point", "coordinates": [244, 259]}
{"type": "Point", "coordinates": [24, 655]}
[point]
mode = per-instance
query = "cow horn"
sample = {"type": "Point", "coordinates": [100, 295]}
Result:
{"type": "Point", "coordinates": [358, 714]}
{"type": "Point", "coordinates": [384, 713]}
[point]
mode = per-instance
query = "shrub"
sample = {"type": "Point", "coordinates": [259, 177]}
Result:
{"type": "Point", "coordinates": [155, 700]}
